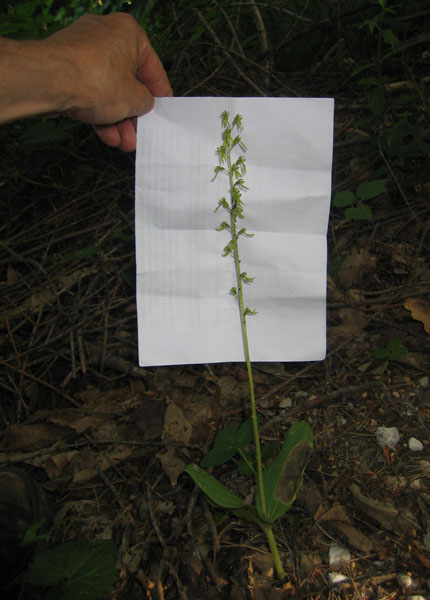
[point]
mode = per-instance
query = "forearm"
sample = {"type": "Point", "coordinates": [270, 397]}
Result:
{"type": "Point", "coordinates": [35, 79]}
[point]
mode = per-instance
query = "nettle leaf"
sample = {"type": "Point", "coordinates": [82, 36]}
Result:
{"type": "Point", "coordinates": [359, 213]}
{"type": "Point", "coordinates": [283, 478]}
{"type": "Point", "coordinates": [86, 569]}
{"type": "Point", "coordinates": [342, 199]}
{"type": "Point", "coordinates": [371, 189]}
{"type": "Point", "coordinates": [393, 350]}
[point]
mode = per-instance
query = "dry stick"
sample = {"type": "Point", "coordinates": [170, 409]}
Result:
{"type": "Point", "coordinates": [233, 30]}
{"type": "Point", "coordinates": [396, 181]}
{"type": "Point", "coordinates": [226, 52]}
{"type": "Point", "coordinates": [22, 457]}
{"type": "Point", "coordinates": [262, 36]}
{"type": "Point", "coordinates": [281, 386]}
{"type": "Point", "coordinates": [105, 328]}
{"type": "Point", "coordinates": [201, 83]}
{"type": "Point", "coordinates": [312, 402]}
{"type": "Point", "coordinates": [44, 383]}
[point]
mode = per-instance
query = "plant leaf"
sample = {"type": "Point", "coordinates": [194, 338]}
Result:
{"type": "Point", "coordinates": [267, 452]}
{"type": "Point", "coordinates": [376, 100]}
{"type": "Point", "coordinates": [359, 213]}
{"type": "Point", "coordinates": [87, 568]}
{"type": "Point", "coordinates": [214, 489]}
{"type": "Point", "coordinates": [228, 440]}
{"type": "Point", "coordinates": [342, 199]}
{"type": "Point", "coordinates": [371, 189]}
{"type": "Point", "coordinates": [283, 478]}
{"type": "Point", "coordinates": [225, 446]}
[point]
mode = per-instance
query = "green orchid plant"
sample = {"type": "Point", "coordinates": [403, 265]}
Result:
{"type": "Point", "coordinates": [278, 476]}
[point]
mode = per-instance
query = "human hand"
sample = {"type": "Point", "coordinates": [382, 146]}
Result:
{"type": "Point", "coordinates": [117, 74]}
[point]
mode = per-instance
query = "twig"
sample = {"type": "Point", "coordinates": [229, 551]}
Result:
{"type": "Point", "coordinates": [44, 383]}
{"type": "Point", "coordinates": [232, 29]}
{"type": "Point", "coordinates": [82, 353]}
{"type": "Point", "coordinates": [396, 181]}
{"type": "Point", "coordinates": [315, 401]}
{"type": "Point", "coordinates": [262, 36]}
{"type": "Point", "coordinates": [226, 52]}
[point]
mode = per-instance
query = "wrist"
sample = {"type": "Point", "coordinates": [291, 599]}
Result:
{"type": "Point", "coordinates": [36, 80]}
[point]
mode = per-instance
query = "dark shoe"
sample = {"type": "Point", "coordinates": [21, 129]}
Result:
{"type": "Point", "coordinates": [22, 503]}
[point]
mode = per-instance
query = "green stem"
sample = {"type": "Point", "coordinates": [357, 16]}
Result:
{"type": "Point", "coordinates": [233, 225]}
{"type": "Point", "coordinates": [275, 554]}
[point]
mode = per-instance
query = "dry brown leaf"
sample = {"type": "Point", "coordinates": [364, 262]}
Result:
{"type": "Point", "coordinates": [338, 518]}
{"type": "Point", "coordinates": [12, 276]}
{"type": "Point", "coordinates": [355, 265]}
{"type": "Point", "coordinates": [34, 437]}
{"type": "Point", "coordinates": [172, 465]}
{"type": "Point", "coordinates": [55, 465]}
{"type": "Point", "coordinates": [177, 427]}
{"type": "Point", "coordinates": [89, 464]}
{"type": "Point", "coordinates": [420, 311]}
{"type": "Point", "coordinates": [383, 512]}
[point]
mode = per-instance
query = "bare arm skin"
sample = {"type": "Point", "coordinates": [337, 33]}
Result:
{"type": "Point", "coordinates": [100, 70]}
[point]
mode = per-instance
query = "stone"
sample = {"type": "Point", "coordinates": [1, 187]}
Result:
{"type": "Point", "coordinates": [388, 436]}
{"type": "Point", "coordinates": [338, 556]}
{"type": "Point", "coordinates": [415, 445]}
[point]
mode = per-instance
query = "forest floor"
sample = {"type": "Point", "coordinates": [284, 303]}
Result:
{"type": "Point", "coordinates": [109, 441]}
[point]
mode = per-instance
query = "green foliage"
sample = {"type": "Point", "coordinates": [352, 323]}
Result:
{"type": "Point", "coordinates": [76, 570]}
{"type": "Point", "coordinates": [282, 478]}
{"type": "Point", "coordinates": [393, 350]}
{"type": "Point", "coordinates": [227, 443]}
{"type": "Point", "coordinates": [278, 484]}
{"type": "Point", "coordinates": [356, 209]}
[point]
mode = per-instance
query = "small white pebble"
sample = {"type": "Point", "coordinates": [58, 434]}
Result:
{"type": "Point", "coordinates": [404, 580]}
{"type": "Point", "coordinates": [337, 578]}
{"type": "Point", "coordinates": [338, 556]}
{"type": "Point", "coordinates": [415, 445]}
{"type": "Point", "coordinates": [388, 436]}
{"type": "Point", "coordinates": [424, 381]}
{"type": "Point", "coordinates": [416, 484]}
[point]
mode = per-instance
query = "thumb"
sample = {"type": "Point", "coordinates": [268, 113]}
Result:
{"type": "Point", "coordinates": [140, 98]}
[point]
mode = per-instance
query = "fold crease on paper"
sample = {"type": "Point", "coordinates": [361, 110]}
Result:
{"type": "Point", "coordinates": [185, 312]}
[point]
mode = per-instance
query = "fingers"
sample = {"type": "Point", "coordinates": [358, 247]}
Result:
{"type": "Point", "coordinates": [121, 135]}
{"type": "Point", "coordinates": [151, 73]}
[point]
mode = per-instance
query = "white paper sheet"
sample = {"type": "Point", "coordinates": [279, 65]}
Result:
{"type": "Point", "coordinates": [185, 312]}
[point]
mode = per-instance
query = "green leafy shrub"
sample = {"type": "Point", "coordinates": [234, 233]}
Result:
{"type": "Point", "coordinates": [76, 570]}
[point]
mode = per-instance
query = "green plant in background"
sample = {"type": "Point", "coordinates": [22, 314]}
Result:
{"type": "Point", "coordinates": [278, 484]}
{"type": "Point", "coordinates": [355, 207]}
{"type": "Point", "coordinates": [393, 350]}
{"type": "Point", "coordinates": [397, 135]}
{"type": "Point", "coordinates": [84, 570]}
{"type": "Point", "coordinates": [378, 25]}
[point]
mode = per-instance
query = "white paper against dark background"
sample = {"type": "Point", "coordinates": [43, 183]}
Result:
{"type": "Point", "coordinates": [185, 312]}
